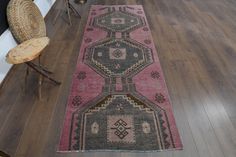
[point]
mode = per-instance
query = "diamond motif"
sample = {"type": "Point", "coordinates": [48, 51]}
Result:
{"type": "Point", "coordinates": [117, 53]}
{"type": "Point", "coordinates": [120, 129]}
{"type": "Point", "coordinates": [77, 100]}
{"type": "Point", "coordinates": [155, 74]}
{"type": "Point", "coordinates": [160, 98]}
{"type": "Point", "coordinates": [81, 75]}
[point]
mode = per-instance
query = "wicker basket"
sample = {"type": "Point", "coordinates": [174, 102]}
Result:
{"type": "Point", "coordinates": [25, 20]}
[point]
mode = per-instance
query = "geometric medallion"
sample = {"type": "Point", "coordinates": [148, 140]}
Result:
{"type": "Point", "coordinates": [118, 57]}
{"type": "Point", "coordinates": [118, 21]}
{"type": "Point", "coordinates": [120, 121]}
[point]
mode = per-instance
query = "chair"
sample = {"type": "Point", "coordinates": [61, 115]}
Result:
{"type": "Point", "coordinates": [28, 28]}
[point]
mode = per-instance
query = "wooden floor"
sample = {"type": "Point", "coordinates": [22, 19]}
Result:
{"type": "Point", "coordinates": [196, 42]}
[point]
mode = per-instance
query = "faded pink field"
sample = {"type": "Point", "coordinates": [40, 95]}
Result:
{"type": "Point", "coordinates": [118, 99]}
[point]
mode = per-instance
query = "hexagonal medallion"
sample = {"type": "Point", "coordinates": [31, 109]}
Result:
{"type": "Point", "coordinates": [118, 21]}
{"type": "Point", "coordinates": [118, 57]}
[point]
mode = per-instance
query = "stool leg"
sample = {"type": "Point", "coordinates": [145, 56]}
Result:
{"type": "Point", "coordinates": [55, 18]}
{"type": "Point", "coordinates": [73, 9]}
{"type": "Point", "coordinates": [3, 154]}
{"type": "Point", "coordinates": [26, 77]}
{"type": "Point", "coordinates": [40, 80]}
{"type": "Point", "coordinates": [39, 60]}
{"type": "Point", "coordinates": [40, 86]}
{"type": "Point", "coordinates": [43, 68]}
{"type": "Point", "coordinates": [42, 73]}
{"type": "Point", "coordinates": [68, 10]}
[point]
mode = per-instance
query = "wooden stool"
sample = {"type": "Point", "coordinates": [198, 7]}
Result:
{"type": "Point", "coordinates": [28, 51]}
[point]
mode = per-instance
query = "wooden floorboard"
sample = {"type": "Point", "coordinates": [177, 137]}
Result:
{"type": "Point", "coordinates": [196, 46]}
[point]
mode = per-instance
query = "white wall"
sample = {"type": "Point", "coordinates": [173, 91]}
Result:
{"type": "Point", "coordinates": [7, 41]}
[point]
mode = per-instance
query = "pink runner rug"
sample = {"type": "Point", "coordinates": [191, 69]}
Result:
{"type": "Point", "coordinates": [118, 99]}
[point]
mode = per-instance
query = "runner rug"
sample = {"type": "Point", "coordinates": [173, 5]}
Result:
{"type": "Point", "coordinates": [118, 99]}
